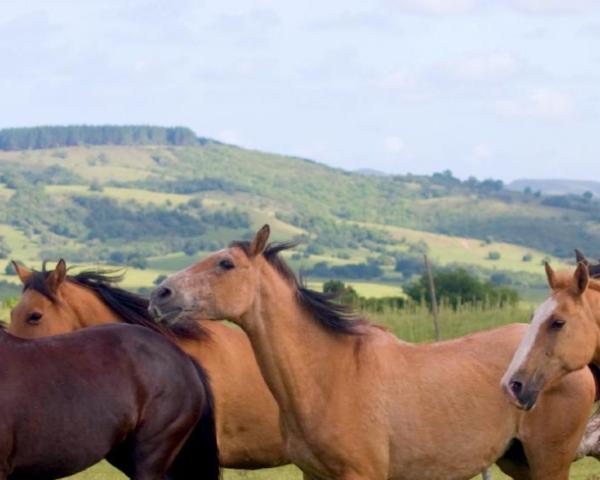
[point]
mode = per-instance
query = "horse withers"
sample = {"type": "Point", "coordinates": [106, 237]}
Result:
{"type": "Point", "coordinates": [119, 392]}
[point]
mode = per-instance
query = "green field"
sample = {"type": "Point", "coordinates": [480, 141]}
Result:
{"type": "Point", "coordinates": [457, 222]}
{"type": "Point", "coordinates": [587, 469]}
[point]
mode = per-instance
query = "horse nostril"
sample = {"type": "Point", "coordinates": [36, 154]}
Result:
{"type": "Point", "coordinates": [516, 387]}
{"type": "Point", "coordinates": [164, 293]}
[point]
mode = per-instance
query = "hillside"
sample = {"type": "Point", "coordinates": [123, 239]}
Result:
{"type": "Point", "coordinates": [158, 207]}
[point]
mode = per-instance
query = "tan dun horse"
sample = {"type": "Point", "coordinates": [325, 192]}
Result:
{"type": "Point", "coordinates": [357, 403]}
{"type": "Point", "coordinates": [246, 413]}
{"type": "Point", "coordinates": [564, 336]}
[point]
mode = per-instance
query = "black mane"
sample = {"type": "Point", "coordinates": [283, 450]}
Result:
{"type": "Point", "coordinates": [130, 307]}
{"type": "Point", "coordinates": [335, 317]}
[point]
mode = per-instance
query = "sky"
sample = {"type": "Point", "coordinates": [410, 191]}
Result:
{"type": "Point", "coordinates": [486, 88]}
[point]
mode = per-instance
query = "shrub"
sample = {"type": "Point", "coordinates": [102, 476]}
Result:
{"type": "Point", "coordinates": [95, 186]}
{"type": "Point", "coordinates": [458, 286]}
{"type": "Point", "coordinates": [494, 255]}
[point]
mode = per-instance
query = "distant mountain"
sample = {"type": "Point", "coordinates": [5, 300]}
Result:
{"type": "Point", "coordinates": [371, 172]}
{"type": "Point", "coordinates": [556, 186]}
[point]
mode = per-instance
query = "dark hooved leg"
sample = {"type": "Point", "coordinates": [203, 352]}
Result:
{"type": "Point", "coordinates": [154, 451]}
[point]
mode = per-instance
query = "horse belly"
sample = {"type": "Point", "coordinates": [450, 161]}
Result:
{"type": "Point", "coordinates": [63, 446]}
{"type": "Point", "coordinates": [453, 434]}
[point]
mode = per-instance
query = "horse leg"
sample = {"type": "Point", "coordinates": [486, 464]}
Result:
{"type": "Point", "coordinates": [551, 432]}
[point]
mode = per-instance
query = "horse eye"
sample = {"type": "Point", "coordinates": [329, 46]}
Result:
{"type": "Point", "coordinates": [226, 264]}
{"type": "Point", "coordinates": [557, 324]}
{"type": "Point", "coordinates": [34, 318]}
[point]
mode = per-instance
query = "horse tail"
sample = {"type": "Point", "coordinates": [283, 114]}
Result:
{"type": "Point", "coordinates": [199, 456]}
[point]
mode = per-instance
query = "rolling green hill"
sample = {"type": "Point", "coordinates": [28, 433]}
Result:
{"type": "Point", "coordinates": [109, 195]}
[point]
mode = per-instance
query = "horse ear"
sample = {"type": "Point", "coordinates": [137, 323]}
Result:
{"type": "Point", "coordinates": [259, 243]}
{"type": "Point", "coordinates": [57, 276]}
{"type": "Point", "coordinates": [550, 275]}
{"type": "Point", "coordinates": [582, 277]}
{"type": "Point", "coordinates": [580, 257]}
{"type": "Point", "coordinates": [23, 272]}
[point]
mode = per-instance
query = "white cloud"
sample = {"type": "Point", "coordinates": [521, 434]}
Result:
{"type": "Point", "coordinates": [554, 6]}
{"type": "Point", "coordinates": [485, 67]}
{"type": "Point", "coordinates": [552, 104]}
{"type": "Point", "coordinates": [398, 80]}
{"type": "Point", "coordinates": [436, 7]}
{"type": "Point", "coordinates": [544, 103]}
{"type": "Point", "coordinates": [229, 136]}
{"type": "Point", "coordinates": [482, 152]}
{"type": "Point", "coordinates": [456, 7]}
{"type": "Point", "coordinates": [394, 145]}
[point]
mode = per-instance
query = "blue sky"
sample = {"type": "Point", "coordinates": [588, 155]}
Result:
{"type": "Point", "coordinates": [490, 88]}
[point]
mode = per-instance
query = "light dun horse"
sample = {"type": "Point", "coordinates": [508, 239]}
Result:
{"type": "Point", "coordinates": [247, 415]}
{"type": "Point", "coordinates": [357, 403]}
{"type": "Point", "coordinates": [564, 336]}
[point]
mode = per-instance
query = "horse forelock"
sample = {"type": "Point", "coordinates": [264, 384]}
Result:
{"type": "Point", "coordinates": [37, 282]}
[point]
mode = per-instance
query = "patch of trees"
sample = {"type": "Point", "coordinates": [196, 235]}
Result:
{"type": "Point", "coordinates": [339, 235]}
{"type": "Point", "coordinates": [347, 295]}
{"type": "Point", "coordinates": [409, 264]}
{"type": "Point", "coordinates": [187, 186]}
{"type": "Point", "coordinates": [583, 203]}
{"type": "Point", "coordinates": [67, 136]}
{"type": "Point", "coordinates": [15, 176]}
{"type": "Point", "coordinates": [108, 219]}
{"type": "Point", "coordinates": [458, 286]}
{"type": "Point", "coordinates": [351, 270]}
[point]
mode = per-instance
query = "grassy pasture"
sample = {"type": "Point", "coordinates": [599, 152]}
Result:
{"type": "Point", "coordinates": [412, 326]}
{"type": "Point", "coordinates": [446, 249]}
{"type": "Point", "coordinates": [122, 194]}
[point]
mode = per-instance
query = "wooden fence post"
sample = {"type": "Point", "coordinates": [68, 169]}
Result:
{"type": "Point", "coordinates": [434, 304]}
{"type": "Point", "coordinates": [487, 473]}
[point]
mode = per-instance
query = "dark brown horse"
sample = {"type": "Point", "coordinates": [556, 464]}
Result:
{"type": "Point", "coordinates": [120, 392]}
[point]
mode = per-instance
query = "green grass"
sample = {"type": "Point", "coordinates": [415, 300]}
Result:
{"type": "Point", "coordinates": [446, 249]}
{"type": "Point", "coordinates": [122, 194]}
{"type": "Point", "coordinates": [21, 247]}
{"type": "Point", "coordinates": [587, 469]}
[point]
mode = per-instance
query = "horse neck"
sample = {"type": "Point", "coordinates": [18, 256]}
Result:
{"type": "Point", "coordinates": [300, 361]}
{"type": "Point", "coordinates": [89, 309]}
